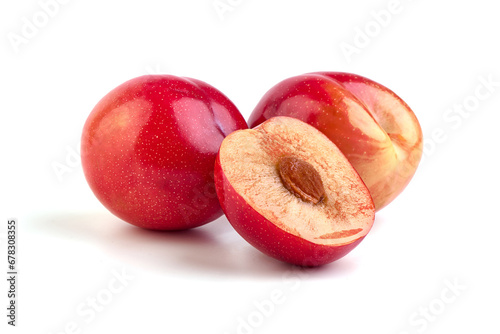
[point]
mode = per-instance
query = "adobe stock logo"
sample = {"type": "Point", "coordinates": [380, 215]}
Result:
{"type": "Point", "coordinates": [89, 310]}
{"type": "Point", "coordinates": [265, 308]}
{"type": "Point", "coordinates": [363, 36]}
{"type": "Point", "coordinates": [427, 314]}
{"type": "Point", "coordinates": [69, 164]}
{"type": "Point", "coordinates": [33, 24]}
{"type": "Point", "coordinates": [455, 116]}
{"type": "Point", "coordinates": [222, 7]}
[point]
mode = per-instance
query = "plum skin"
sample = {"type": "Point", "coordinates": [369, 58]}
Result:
{"type": "Point", "coordinates": [267, 237]}
{"type": "Point", "coordinates": [334, 103]}
{"type": "Point", "coordinates": [148, 149]}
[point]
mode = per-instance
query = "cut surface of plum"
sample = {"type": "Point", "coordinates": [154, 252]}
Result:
{"type": "Point", "coordinates": [334, 211]}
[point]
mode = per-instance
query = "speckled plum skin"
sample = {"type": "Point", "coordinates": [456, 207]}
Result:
{"type": "Point", "coordinates": [267, 237]}
{"type": "Point", "coordinates": [149, 146]}
{"type": "Point", "coordinates": [383, 143]}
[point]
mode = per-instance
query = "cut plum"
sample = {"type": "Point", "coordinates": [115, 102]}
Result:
{"type": "Point", "coordinates": [291, 193]}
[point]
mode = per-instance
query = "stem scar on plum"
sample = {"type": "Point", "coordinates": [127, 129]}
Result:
{"type": "Point", "coordinates": [301, 179]}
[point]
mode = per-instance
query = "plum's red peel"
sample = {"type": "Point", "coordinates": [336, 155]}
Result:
{"type": "Point", "coordinates": [149, 147]}
{"type": "Point", "coordinates": [268, 238]}
{"type": "Point", "coordinates": [374, 128]}
{"type": "Point", "coordinates": [285, 217]}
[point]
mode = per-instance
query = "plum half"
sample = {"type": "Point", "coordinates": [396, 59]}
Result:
{"type": "Point", "coordinates": [291, 193]}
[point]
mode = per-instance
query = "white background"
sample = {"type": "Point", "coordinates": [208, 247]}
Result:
{"type": "Point", "coordinates": [441, 232]}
